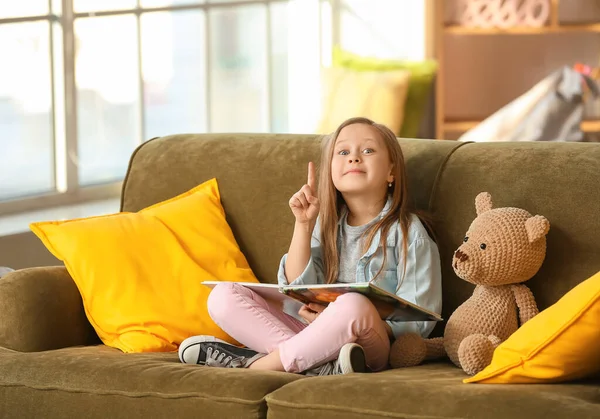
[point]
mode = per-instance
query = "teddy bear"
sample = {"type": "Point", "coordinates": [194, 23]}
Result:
{"type": "Point", "coordinates": [502, 248]}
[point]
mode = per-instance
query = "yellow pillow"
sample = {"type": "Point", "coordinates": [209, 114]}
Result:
{"type": "Point", "coordinates": [559, 344]}
{"type": "Point", "coordinates": [378, 95]}
{"type": "Point", "coordinates": [139, 273]}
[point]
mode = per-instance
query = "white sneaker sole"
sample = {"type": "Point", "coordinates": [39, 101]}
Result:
{"type": "Point", "coordinates": [352, 359]}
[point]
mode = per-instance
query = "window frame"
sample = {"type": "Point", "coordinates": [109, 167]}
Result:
{"type": "Point", "coordinates": [61, 19]}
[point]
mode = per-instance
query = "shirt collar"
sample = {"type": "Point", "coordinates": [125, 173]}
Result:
{"type": "Point", "coordinates": [384, 211]}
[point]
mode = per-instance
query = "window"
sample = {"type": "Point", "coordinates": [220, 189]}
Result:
{"type": "Point", "coordinates": [84, 82]}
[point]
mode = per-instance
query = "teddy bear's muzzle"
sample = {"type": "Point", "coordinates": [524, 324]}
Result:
{"type": "Point", "coordinates": [459, 256]}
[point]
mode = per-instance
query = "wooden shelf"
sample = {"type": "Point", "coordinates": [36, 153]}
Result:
{"type": "Point", "coordinates": [590, 126]}
{"type": "Point", "coordinates": [442, 34]}
{"type": "Point", "coordinates": [463, 126]}
{"type": "Point", "coordinates": [459, 126]}
{"type": "Point", "coordinates": [523, 30]}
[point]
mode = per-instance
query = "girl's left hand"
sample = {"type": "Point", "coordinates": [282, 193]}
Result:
{"type": "Point", "coordinates": [311, 311]}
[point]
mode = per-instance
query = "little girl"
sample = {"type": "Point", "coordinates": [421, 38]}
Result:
{"type": "Point", "coordinates": [357, 228]}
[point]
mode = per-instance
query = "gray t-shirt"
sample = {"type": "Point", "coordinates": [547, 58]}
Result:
{"type": "Point", "coordinates": [351, 248]}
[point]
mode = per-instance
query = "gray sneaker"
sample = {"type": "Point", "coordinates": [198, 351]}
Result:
{"type": "Point", "coordinates": [213, 352]}
{"type": "Point", "coordinates": [351, 359]}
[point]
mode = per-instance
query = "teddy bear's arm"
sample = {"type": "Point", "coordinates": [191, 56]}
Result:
{"type": "Point", "coordinates": [525, 302]}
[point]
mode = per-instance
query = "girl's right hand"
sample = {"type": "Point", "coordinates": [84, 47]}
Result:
{"type": "Point", "coordinates": [310, 312]}
{"type": "Point", "coordinates": [304, 203]}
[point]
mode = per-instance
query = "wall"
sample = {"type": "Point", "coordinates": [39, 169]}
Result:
{"type": "Point", "coordinates": [23, 250]}
{"type": "Point", "coordinates": [20, 248]}
{"type": "Point", "coordinates": [382, 28]}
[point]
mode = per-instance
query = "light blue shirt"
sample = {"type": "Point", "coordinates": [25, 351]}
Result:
{"type": "Point", "coordinates": [420, 283]}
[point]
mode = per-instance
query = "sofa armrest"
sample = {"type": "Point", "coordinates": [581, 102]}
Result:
{"type": "Point", "coordinates": [41, 309]}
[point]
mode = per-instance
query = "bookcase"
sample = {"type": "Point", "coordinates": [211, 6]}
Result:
{"type": "Point", "coordinates": [483, 69]}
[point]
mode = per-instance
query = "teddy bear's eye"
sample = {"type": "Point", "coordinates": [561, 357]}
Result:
{"type": "Point", "coordinates": [482, 246]}
{"type": "Point", "coordinates": [466, 239]}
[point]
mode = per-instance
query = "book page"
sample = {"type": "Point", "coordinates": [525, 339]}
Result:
{"type": "Point", "coordinates": [389, 306]}
{"type": "Point", "coordinates": [322, 293]}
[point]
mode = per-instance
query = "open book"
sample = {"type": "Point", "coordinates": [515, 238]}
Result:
{"type": "Point", "coordinates": [291, 297]}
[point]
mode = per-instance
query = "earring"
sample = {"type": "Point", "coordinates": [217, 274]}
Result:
{"type": "Point", "coordinates": [390, 185]}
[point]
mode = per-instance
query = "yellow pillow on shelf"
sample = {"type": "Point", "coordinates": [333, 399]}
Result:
{"type": "Point", "coordinates": [139, 274]}
{"type": "Point", "coordinates": [559, 344]}
{"type": "Point", "coordinates": [422, 74]}
{"type": "Point", "coordinates": [378, 95]}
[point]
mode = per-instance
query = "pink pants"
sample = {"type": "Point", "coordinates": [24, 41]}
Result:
{"type": "Point", "coordinates": [252, 321]}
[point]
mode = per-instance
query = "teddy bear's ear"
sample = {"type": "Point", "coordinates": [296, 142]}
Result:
{"type": "Point", "coordinates": [483, 203]}
{"type": "Point", "coordinates": [537, 227]}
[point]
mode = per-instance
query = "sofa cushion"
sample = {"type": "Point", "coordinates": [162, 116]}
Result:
{"type": "Point", "coordinates": [421, 81]}
{"type": "Point", "coordinates": [139, 274]}
{"type": "Point", "coordinates": [102, 382]}
{"type": "Point", "coordinates": [556, 180]}
{"type": "Point", "coordinates": [377, 95]}
{"type": "Point", "coordinates": [432, 390]}
{"type": "Point", "coordinates": [559, 344]}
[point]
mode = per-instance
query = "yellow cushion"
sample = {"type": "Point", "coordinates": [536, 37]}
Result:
{"type": "Point", "coordinates": [422, 75]}
{"type": "Point", "coordinates": [559, 344]}
{"type": "Point", "coordinates": [139, 273]}
{"type": "Point", "coordinates": [378, 95]}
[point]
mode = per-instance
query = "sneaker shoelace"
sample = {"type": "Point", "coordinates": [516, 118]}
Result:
{"type": "Point", "coordinates": [216, 358]}
{"type": "Point", "coordinates": [330, 368]}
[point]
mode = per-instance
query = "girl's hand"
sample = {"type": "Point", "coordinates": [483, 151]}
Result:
{"type": "Point", "coordinates": [310, 312]}
{"type": "Point", "coordinates": [304, 203]}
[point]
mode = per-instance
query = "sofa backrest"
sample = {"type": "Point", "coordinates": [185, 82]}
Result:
{"type": "Point", "coordinates": [558, 180]}
{"type": "Point", "coordinates": [258, 173]}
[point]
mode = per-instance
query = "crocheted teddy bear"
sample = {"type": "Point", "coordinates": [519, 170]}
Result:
{"type": "Point", "coordinates": [5, 271]}
{"type": "Point", "coordinates": [502, 248]}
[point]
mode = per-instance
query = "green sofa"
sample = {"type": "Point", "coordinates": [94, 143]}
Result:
{"type": "Point", "coordinates": [52, 364]}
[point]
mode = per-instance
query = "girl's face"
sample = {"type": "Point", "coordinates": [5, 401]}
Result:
{"type": "Point", "coordinates": [360, 162]}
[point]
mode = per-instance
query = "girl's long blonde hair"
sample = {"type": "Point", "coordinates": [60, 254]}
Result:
{"type": "Point", "coordinates": [331, 201]}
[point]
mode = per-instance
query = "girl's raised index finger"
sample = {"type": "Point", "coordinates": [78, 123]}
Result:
{"type": "Point", "coordinates": [311, 175]}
